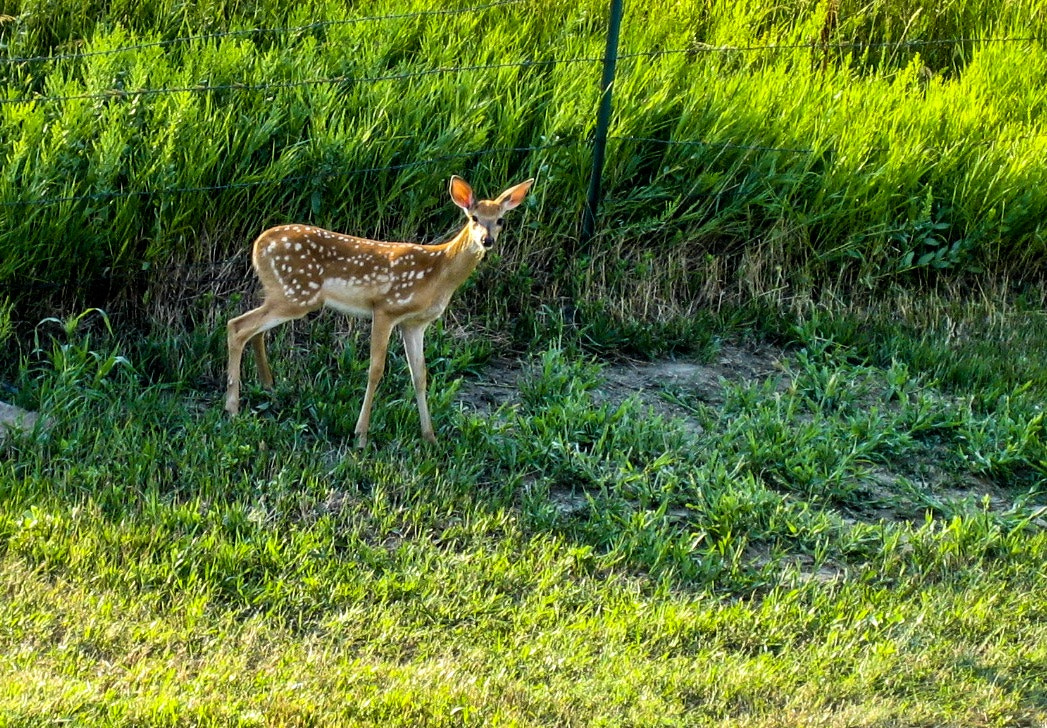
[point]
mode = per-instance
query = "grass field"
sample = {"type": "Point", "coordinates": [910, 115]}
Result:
{"type": "Point", "coordinates": [769, 452]}
{"type": "Point", "coordinates": [744, 161]}
{"type": "Point", "coordinates": [828, 536]}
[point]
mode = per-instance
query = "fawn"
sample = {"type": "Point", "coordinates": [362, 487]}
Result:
{"type": "Point", "coordinates": [302, 268]}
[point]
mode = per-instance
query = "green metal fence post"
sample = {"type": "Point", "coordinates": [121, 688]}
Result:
{"type": "Point", "coordinates": [603, 120]}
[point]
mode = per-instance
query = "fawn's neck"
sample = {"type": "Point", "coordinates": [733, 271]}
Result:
{"type": "Point", "coordinates": [463, 255]}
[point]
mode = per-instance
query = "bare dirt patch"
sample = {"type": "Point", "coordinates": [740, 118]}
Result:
{"type": "Point", "coordinates": [705, 380]}
{"type": "Point", "coordinates": [647, 380]}
{"type": "Point", "coordinates": [15, 418]}
{"type": "Point", "coordinates": [897, 491]}
{"type": "Point", "coordinates": [500, 385]}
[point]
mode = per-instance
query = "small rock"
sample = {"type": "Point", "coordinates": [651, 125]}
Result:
{"type": "Point", "coordinates": [15, 418]}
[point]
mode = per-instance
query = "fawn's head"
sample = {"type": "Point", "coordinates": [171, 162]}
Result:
{"type": "Point", "coordinates": [486, 217]}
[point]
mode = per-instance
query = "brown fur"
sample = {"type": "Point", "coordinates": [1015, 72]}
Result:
{"type": "Point", "coordinates": [302, 268]}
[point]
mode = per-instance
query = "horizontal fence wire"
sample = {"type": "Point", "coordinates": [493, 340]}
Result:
{"type": "Point", "coordinates": [714, 145]}
{"type": "Point", "coordinates": [796, 150]}
{"type": "Point", "coordinates": [696, 48]}
{"type": "Point", "coordinates": [117, 94]}
{"type": "Point", "coordinates": [693, 50]}
{"type": "Point", "coordinates": [248, 32]}
{"type": "Point", "coordinates": [699, 47]}
{"type": "Point", "coordinates": [121, 93]}
{"type": "Point", "coordinates": [295, 179]}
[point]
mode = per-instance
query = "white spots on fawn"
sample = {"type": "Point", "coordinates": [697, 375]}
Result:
{"type": "Point", "coordinates": [312, 265]}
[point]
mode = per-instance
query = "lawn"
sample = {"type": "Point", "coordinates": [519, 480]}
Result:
{"type": "Point", "coordinates": [753, 533]}
{"type": "Point", "coordinates": [768, 450]}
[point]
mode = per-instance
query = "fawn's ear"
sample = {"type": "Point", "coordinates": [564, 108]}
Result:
{"type": "Point", "coordinates": [462, 193]}
{"type": "Point", "coordinates": [513, 196]}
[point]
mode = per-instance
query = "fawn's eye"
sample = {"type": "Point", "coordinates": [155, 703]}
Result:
{"type": "Point", "coordinates": [500, 221]}
{"type": "Point", "coordinates": [476, 219]}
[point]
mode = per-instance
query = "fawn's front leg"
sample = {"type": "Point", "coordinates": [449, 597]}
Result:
{"type": "Point", "coordinates": [381, 328]}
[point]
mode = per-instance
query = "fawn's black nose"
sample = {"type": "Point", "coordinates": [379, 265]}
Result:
{"type": "Point", "coordinates": [488, 241]}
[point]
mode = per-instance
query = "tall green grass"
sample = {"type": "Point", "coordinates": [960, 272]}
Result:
{"type": "Point", "coordinates": [743, 160]}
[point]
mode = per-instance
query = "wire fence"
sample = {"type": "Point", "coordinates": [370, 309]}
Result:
{"type": "Point", "coordinates": [123, 93]}
{"type": "Point", "coordinates": [253, 32]}
{"type": "Point", "coordinates": [291, 180]}
{"type": "Point", "coordinates": [693, 50]}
